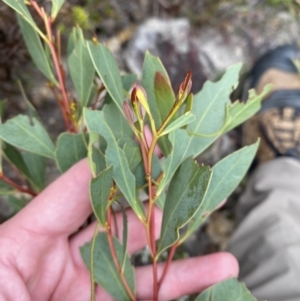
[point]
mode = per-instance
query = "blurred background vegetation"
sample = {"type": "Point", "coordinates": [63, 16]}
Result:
{"type": "Point", "coordinates": [108, 17]}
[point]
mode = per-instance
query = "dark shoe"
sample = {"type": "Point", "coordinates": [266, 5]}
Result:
{"type": "Point", "coordinates": [278, 122]}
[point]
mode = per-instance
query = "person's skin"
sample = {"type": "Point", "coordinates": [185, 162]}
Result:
{"type": "Point", "coordinates": [40, 258]}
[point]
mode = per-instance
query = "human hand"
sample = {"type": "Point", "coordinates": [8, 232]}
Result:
{"type": "Point", "coordinates": [40, 258]}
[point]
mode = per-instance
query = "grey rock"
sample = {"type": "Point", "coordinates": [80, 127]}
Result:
{"type": "Point", "coordinates": [172, 41]}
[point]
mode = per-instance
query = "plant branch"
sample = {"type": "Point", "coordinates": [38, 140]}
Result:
{"type": "Point", "coordinates": [58, 45]}
{"type": "Point", "coordinates": [66, 111]}
{"type": "Point", "coordinates": [64, 103]}
{"type": "Point", "coordinates": [37, 8]}
{"type": "Point", "coordinates": [16, 186]}
{"type": "Point", "coordinates": [15, 169]}
{"type": "Point", "coordinates": [59, 101]}
{"type": "Point", "coordinates": [114, 255]}
{"type": "Point", "coordinates": [168, 118]}
{"type": "Point", "coordinates": [166, 268]}
{"type": "Point", "coordinates": [150, 223]}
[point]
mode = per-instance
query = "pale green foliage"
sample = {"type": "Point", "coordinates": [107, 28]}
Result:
{"type": "Point", "coordinates": [228, 290]}
{"type": "Point", "coordinates": [150, 82]}
{"type": "Point", "coordinates": [27, 134]}
{"type": "Point", "coordinates": [31, 166]}
{"type": "Point", "coordinates": [70, 148]}
{"type": "Point", "coordinates": [100, 189]}
{"type": "Point", "coordinates": [36, 49]}
{"type": "Point", "coordinates": [56, 6]}
{"type": "Point", "coordinates": [183, 200]}
{"type": "Point", "coordinates": [21, 9]}
{"type": "Point", "coordinates": [97, 123]}
{"type": "Point", "coordinates": [106, 273]}
{"type": "Point", "coordinates": [81, 68]}
{"type": "Point", "coordinates": [107, 68]}
{"type": "Point", "coordinates": [226, 175]}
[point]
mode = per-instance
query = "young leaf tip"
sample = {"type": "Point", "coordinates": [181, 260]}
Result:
{"type": "Point", "coordinates": [128, 113]}
{"type": "Point", "coordinates": [184, 89]}
{"type": "Point", "coordinates": [161, 80]}
{"type": "Point", "coordinates": [186, 85]}
{"type": "Point", "coordinates": [139, 101]}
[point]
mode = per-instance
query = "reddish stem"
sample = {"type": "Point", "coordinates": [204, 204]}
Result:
{"type": "Point", "coordinates": [147, 154]}
{"type": "Point", "coordinates": [66, 108]}
{"type": "Point", "coordinates": [150, 225]}
{"type": "Point", "coordinates": [114, 256]}
{"type": "Point", "coordinates": [155, 280]}
{"type": "Point", "coordinates": [16, 186]}
{"type": "Point", "coordinates": [58, 46]}
{"type": "Point", "coordinates": [60, 103]}
{"type": "Point", "coordinates": [37, 8]}
{"type": "Point", "coordinates": [166, 268]}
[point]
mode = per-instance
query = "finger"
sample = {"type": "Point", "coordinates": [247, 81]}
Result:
{"type": "Point", "coordinates": [188, 276]}
{"type": "Point", "coordinates": [62, 207]}
{"type": "Point", "coordinates": [184, 277]}
{"type": "Point", "coordinates": [137, 238]}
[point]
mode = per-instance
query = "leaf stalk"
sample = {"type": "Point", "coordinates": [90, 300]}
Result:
{"type": "Point", "coordinates": [114, 255]}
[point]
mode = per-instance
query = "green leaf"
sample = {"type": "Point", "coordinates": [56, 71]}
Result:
{"type": "Point", "coordinates": [210, 111]}
{"type": "Point", "coordinates": [56, 6]}
{"type": "Point", "coordinates": [95, 156]}
{"type": "Point", "coordinates": [108, 70]}
{"type": "Point", "coordinates": [180, 151]}
{"type": "Point", "coordinates": [20, 7]}
{"type": "Point", "coordinates": [36, 165]}
{"type": "Point", "coordinates": [99, 192]}
{"type": "Point", "coordinates": [14, 157]}
{"type": "Point", "coordinates": [240, 112]}
{"type": "Point", "coordinates": [185, 195]}
{"type": "Point", "coordinates": [151, 66]}
{"type": "Point", "coordinates": [133, 154]}
{"type": "Point", "coordinates": [160, 201]}
{"type": "Point", "coordinates": [27, 134]}
{"type": "Point", "coordinates": [156, 167]}
{"type": "Point", "coordinates": [81, 68]}
{"type": "Point", "coordinates": [31, 166]}
{"type": "Point", "coordinates": [179, 122]}
{"type": "Point", "coordinates": [228, 290]}
{"type": "Point", "coordinates": [117, 122]}
{"type": "Point", "coordinates": [36, 49]}
{"type": "Point", "coordinates": [96, 122]}
{"type": "Point", "coordinates": [165, 98]}
{"type": "Point", "coordinates": [227, 174]}
{"type": "Point", "coordinates": [164, 95]}
{"type": "Point", "coordinates": [31, 111]}
{"type": "Point", "coordinates": [105, 271]}
{"type": "Point", "coordinates": [128, 80]}
{"type": "Point", "coordinates": [70, 149]}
